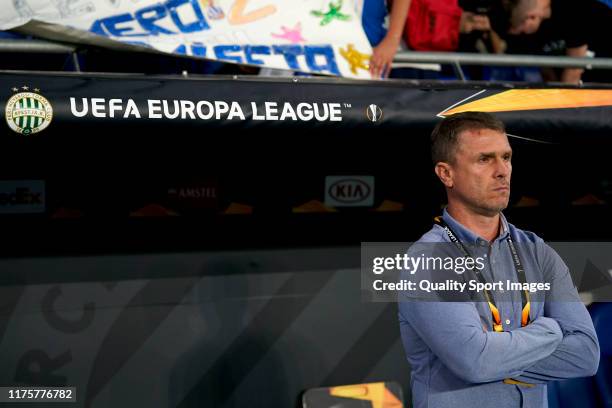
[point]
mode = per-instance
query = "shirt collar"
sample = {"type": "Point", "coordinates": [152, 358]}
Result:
{"type": "Point", "coordinates": [465, 235]}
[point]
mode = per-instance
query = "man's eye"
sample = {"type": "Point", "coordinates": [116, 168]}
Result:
{"type": "Point", "coordinates": [484, 159]}
{"type": "Point", "coordinates": [507, 157]}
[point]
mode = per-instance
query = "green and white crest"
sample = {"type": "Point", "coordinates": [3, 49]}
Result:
{"type": "Point", "coordinates": [28, 113]}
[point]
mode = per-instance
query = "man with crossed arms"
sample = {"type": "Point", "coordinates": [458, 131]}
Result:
{"type": "Point", "coordinates": [459, 355]}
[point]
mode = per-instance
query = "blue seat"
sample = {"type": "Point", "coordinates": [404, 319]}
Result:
{"type": "Point", "coordinates": [602, 320]}
{"type": "Point", "coordinates": [592, 391]}
{"type": "Point", "coordinates": [10, 35]}
{"type": "Point", "coordinates": [577, 392]}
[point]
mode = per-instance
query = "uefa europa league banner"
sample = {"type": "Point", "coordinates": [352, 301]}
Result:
{"type": "Point", "coordinates": [316, 36]}
{"type": "Point", "coordinates": [34, 103]}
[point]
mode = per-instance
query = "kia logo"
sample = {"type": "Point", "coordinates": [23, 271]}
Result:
{"type": "Point", "coordinates": [349, 191]}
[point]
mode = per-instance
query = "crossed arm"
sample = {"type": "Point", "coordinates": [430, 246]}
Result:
{"type": "Point", "coordinates": [561, 345]}
{"type": "Point", "coordinates": [578, 353]}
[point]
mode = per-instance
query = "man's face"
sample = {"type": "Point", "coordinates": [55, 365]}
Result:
{"type": "Point", "coordinates": [528, 21]}
{"type": "Point", "coordinates": [481, 170]}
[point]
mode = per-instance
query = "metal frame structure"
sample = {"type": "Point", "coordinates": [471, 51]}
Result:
{"type": "Point", "coordinates": [456, 60]}
{"type": "Point", "coordinates": [507, 60]}
{"type": "Point", "coordinates": [40, 47]}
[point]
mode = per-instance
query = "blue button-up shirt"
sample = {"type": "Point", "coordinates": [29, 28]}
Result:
{"type": "Point", "coordinates": [457, 359]}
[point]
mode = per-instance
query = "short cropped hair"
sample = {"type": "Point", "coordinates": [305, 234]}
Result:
{"type": "Point", "coordinates": [445, 135]}
{"type": "Point", "coordinates": [517, 10]}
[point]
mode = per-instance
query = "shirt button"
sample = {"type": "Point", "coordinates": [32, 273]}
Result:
{"type": "Point", "coordinates": [507, 321]}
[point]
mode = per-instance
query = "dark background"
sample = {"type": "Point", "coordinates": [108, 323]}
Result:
{"type": "Point", "coordinates": [210, 309]}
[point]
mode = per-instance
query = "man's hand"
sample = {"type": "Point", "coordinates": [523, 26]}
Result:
{"type": "Point", "coordinates": [470, 22]}
{"type": "Point", "coordinates": [574, 75]}
{"type": "Point", "coordinates": [384, 52]}
{"type": "Point", "coordinates": [382, 57]}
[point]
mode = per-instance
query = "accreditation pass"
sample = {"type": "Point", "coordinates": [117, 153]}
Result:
{"type": "Point", "coordinates": [37, 394]}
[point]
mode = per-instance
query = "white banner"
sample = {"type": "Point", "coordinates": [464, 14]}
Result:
{"type": "Point", "coordinates": [317, 36]}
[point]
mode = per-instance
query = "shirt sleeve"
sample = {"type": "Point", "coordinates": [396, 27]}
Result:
{"type": "Point", "coordinates": [578, 353]}
{"type": "Point", "coordinates": [454, 333]}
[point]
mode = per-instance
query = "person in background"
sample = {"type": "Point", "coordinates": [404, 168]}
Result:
{"type": "Point", "coordinates": [385, 42]}
{"type": "Point", "coordinates": [560, 27]}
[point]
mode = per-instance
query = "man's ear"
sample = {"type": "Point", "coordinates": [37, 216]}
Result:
{"type": "Point", "coordinates": [445, 174]}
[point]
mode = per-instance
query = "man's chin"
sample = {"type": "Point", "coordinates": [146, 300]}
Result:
{"type": "Point", "coordinates": [489, 206]}
{"type": "Point", "coordinates": [492, 210]}
{"type": "Point", "coordinates": [500, 207]}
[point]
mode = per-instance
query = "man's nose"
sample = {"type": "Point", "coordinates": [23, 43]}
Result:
{"type": "Point", "coordinates": [502, 168]}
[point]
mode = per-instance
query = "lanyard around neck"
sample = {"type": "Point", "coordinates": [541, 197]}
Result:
{"type": "Point", "coordinates": [518, 266]}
